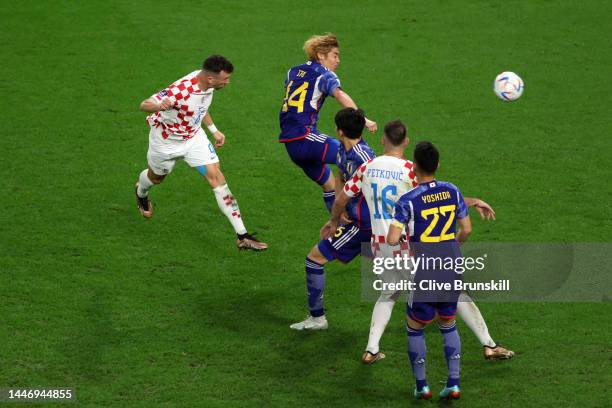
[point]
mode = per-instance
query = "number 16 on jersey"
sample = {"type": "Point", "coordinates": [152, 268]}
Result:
{"type": "Point", "coordinates": [388, 194]}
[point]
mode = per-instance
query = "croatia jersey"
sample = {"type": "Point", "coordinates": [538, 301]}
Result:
{"type": "Point", "coordinates": [430, 212]}
{"type": "Point", "coordinates": [381, 181]}
{"type": "Point", "coordinates": [349, 163]}
{"type": "Point", "coordinates": [306, 88]}
{"type": "Point", "coordinates": [189, 106]}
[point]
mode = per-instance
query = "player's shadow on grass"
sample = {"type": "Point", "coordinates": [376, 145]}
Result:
{"type": "Point", "coordinates": [292, 356]}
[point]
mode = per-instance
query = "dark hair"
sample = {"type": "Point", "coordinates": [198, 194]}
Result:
{"type": "Point", "coordinates": [351, 122]}
{"type": "Point", "coordinates": [426, 157]}
{"type": "Point", "coordinates": [395, 132]}
{"type": "Point", "coordinates": [217, 63]}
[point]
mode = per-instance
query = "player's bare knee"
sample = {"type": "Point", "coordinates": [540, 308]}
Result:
{"type": "Point", "coordinates": [317, 256]}
{"type": "Point", "coordinates": [446, 321]}
{"type": "Point", "coordinates": [413, 324]}
{"type": "Point", "coordinates": [214, 176]}
{"type": "Point", "coordinates": [330, 184]}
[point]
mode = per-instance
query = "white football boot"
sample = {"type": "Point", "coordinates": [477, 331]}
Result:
{"type": "Point", "coordinates": [311, 323]}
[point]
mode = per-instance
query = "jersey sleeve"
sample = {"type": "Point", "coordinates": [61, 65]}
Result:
{"type": "Point", "coordinates": [175, 92]}
{"type": "Point", "coordinates": [328, 83]}
{"type": "Point", "coordinates": [410, 177]}
{"type": "Point", "coordinates": [402, 214]}
{"type": "Point", "coordinates": [353, 186]}
{"type": "Point", "coordinates": [462, 208]}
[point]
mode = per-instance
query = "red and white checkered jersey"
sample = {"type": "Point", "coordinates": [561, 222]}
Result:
{"type": "Point", "coordinates": [189, 106]}
{"type": "Point", "coordinates": [382, 180]}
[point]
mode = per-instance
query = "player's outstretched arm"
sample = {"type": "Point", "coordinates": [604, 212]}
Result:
{"type": "Point", "coordinates": [347, 102]}
{"type": "Point", "coordinates": [485, 210]}
{"type": "Point", "coordinates": [338, 208]}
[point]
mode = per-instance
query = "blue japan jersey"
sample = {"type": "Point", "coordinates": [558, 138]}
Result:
{"type": "Point", "coordinates": [306, 88]}
{"type": "Point", "coordinates": [348, 162]}
{"type": "Point", "coordinates": [430, 212]}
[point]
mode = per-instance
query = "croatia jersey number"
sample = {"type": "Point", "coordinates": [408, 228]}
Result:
{"type": "Point", "coordinates": [387, 200]}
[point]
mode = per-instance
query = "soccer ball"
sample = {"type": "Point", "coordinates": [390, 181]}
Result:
{"type": "Point", "coordinates": [508, 86]}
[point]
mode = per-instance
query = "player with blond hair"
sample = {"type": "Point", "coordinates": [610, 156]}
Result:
{"type": "Point", "coordinates": [306, 87]}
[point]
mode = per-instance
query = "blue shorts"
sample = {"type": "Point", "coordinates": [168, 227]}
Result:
{"type": "Point", "coordinates": [313, 153]}
{"type": "Point", "coordinates": [345, 244]}
{"type": "Point", "coordinates": [425, 312]}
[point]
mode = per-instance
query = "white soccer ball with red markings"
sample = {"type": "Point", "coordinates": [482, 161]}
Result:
{"type": "Point", "coordinates": [508, 86]}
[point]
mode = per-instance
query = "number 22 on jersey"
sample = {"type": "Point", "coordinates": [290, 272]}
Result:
{"type": "Point", "coordinates": [435, 214]}
{"type": "Point", "coordinates": [297, 97]}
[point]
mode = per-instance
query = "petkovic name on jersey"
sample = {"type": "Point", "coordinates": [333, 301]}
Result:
{"type": "Point", "coordinates": [384, 174]}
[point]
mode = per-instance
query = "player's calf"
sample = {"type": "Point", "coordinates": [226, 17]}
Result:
{"type": "Point", "coordinates": [229, 207]}
{"type": "Point", "coordinates": [452, 353]}
{"type": "Point", "coordinates": [417, 354]}
{"type": "Point", "coordinates": [315, 286]}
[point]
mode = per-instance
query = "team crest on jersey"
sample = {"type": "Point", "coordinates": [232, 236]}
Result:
{"type": "Point", "coordinates": [349, 168]}
{"type": "Point", "coordinates": [163, 93]}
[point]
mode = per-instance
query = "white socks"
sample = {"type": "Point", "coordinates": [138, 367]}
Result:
{"type": "Point", "coordinates": [144, 184]}
{"type": "Point", "coordinates": [229, 207]}
{"type": "Point", "coordinates": [470, 314]}
{"type": "Point", "coordinates": [225, 200]}
{"type": "Point", "coordinates": [380, 317]}
{"type": "Point", "coordinates": [466, 309]}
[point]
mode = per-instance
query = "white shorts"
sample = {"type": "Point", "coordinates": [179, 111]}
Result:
{"type": "Point", "coordinates": [163, 153]}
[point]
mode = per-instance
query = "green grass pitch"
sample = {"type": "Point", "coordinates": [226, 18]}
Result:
{"type": "Point", "coordinates": [166, 312]}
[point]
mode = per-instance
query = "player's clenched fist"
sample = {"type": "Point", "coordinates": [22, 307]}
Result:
{"type": "Point", "coordinates": [219, 138]}
{"type": "Point", "coordinates": [165, 104]}
{"type": "Point", "coordinates": [371, 125]}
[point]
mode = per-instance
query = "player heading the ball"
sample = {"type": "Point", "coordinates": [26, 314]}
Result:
{"type": "Point", "coordinates": [306, 88]}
